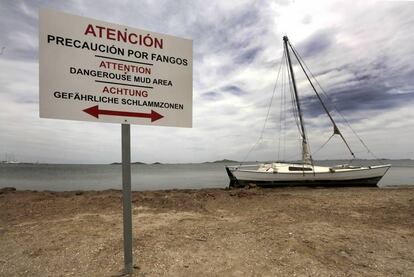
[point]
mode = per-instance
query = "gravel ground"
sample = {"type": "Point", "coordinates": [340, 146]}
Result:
{"type": "Point", "coordinates": [210, 232]}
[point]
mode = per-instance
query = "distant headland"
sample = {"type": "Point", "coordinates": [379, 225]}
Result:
{"type": "Point", "coordinates": [218, 161]}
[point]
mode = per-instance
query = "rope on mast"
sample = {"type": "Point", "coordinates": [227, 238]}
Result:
{"type": "Point", "coordinates": [282, 113]}
{"type": "Point", "coordinates": [306, 157]}
{"type": "Point", "coordinates": [323, 145]}
{"type": "Point", "coordinates": [268, 111]}
{"type": "Point", "coordinates": [337, 110]}
{"type": "Point", "coordinates": [282, 116]}
{"type": "Point", "coordinates": [295, 111]}
{"type": "Point", "coordinates": [336, 129]}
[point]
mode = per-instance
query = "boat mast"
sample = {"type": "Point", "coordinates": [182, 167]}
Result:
{"type": "Point", "coordinates": [306, 158]}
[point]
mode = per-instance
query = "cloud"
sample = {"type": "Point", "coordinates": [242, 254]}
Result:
{"type": "Point", "coordinates": [234, 90]}
{"type": "Point", "coordinates": [248, 56]}
{"type": "Point", "coordinates": [211, 95]}
{"type": "Point", "coordinates": [317, 43]}
{"type": "Point", "coordinates": [361, 53]}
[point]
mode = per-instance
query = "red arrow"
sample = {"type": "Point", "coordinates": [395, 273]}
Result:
{"type": "Point", "coordinates": [95, 111]}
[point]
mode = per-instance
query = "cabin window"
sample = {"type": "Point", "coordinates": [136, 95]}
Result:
{"type": "Point", "coordinates": [298, 168]}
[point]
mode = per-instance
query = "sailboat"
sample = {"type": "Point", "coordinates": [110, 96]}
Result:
{"type": "Point", "coordinates": [305, 173]}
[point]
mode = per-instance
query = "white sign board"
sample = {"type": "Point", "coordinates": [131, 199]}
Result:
{"type": "Point", "coordinates": [92, 70]}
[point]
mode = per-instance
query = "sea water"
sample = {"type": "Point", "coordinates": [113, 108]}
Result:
{"type": "Point", "coordinates": [65, 177]}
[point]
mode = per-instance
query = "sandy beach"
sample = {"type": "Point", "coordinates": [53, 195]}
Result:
{"type": "Point", "coordinates": [210, 232]}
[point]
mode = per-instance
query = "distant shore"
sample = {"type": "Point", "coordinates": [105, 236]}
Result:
{"type": "Point", "coordinates": [217, 161]}
{"type": "Point", "coordinates": [210, 232]}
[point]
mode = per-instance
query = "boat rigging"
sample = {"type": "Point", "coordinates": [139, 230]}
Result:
{"type": "Point", "coordinates": [306, 172]}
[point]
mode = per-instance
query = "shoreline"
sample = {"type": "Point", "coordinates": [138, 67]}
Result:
{"type": "Point", "coordinates": [210, 232]}
{"type": "Point", "coordinates": [226, 188]}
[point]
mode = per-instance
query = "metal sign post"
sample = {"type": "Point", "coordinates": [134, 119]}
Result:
{"type": "Point", "coordinates": [126, 197]}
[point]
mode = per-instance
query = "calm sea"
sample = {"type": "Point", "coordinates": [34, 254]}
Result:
{"type": "Point", "coordinates": [150, 177]}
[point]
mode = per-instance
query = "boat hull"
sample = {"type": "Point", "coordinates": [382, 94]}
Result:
{"type": "Point", "coordinates": [363, 177]}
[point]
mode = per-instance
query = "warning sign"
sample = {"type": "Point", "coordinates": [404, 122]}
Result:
{"type": "Point", "coordinates": [92, 70]}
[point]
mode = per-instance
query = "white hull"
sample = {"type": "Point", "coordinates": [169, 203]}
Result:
{"type": "Point", "coordinates": [279, 174]}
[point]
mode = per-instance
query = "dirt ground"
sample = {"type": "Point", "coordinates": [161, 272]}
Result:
{"type": "Point", "coordinates": [210, 232]}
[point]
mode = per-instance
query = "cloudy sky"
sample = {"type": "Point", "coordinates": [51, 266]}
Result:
{"type": "Point", "coordinates": [361, 52]}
